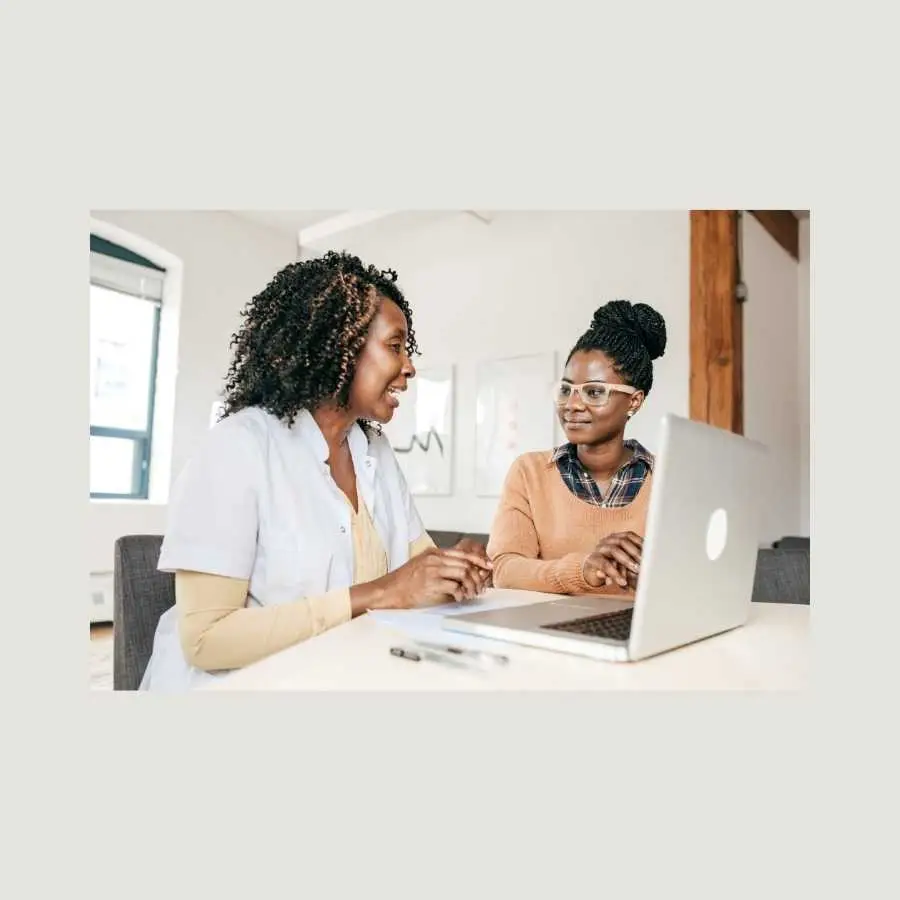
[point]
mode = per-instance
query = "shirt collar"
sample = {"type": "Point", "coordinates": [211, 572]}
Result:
{"type": "Point", "coordinates": [641, 453]}
{"type": "Point", "coordinates": [307, 429]}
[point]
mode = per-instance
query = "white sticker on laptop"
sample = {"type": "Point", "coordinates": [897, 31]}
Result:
{"type": "Point", "coordinates": [716, 534]}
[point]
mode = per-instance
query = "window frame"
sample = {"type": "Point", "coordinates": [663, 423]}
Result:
{"type": "Point", "coordinates": [143, 439]}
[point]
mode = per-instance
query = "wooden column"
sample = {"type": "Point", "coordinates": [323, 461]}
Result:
{"type": "Point", "coordinates": [716, 384]}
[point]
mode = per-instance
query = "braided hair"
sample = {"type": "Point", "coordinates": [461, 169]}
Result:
{"type": "Point", "coordinates": [303, 333]}
{"type": "Point", "coordinates": [632, 335]}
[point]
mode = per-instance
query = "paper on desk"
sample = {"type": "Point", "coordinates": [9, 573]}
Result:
{"type": "Point", "coordinates": [425, 624]}
{"type": "Point", "coordinates": [494, 598]}
{"type": "Point", "coordinates": [481, 604]}
{"type": "Point", "coordinates": [428, 630]}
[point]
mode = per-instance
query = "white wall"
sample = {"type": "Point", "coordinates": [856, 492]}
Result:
{"type": "Point", "coordinates": [803, 363]}
{"type": "Point", "coordinates": [226, 260]}
{"type": "Point", "coordinates": [773, 412]}
{"type": "Point", "coordinates": [529, 282]}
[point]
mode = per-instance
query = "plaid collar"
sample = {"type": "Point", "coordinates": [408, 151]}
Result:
{"type": "Point", "coordinates": [624, 485]}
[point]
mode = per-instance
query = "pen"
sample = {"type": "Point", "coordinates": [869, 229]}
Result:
{"type": "Point", "coordinates": [481, 655]}
{"type": "Point", "coordinates": [422, 655]}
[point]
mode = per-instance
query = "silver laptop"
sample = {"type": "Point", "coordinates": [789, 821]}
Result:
{"type": "Point", "coordinates": [697, 567]}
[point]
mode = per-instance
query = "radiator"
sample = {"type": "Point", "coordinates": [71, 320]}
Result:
{"type": "Point", "coordinates": [100, 592]}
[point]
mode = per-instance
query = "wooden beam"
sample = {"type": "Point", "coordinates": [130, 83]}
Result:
{"type": "Point", "coordinates": [717, 358]}
{"type": "Point", "coordinates": [782, 224]}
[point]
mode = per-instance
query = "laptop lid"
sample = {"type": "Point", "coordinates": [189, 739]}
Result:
{"type": "Point", "coordinates": [702, 537]}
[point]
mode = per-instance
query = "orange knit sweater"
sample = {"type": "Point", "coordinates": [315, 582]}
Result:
{"type": "Point", "coordinates": [542, 532]}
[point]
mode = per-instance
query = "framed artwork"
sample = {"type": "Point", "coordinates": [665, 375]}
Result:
{"type": "Point", "coordinates": [421, 432]}
{"type": "Point", "coordinates": [513, 415]}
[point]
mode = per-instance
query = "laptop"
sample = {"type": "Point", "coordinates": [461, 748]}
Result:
{"type": "Point", "coordinates": [697, 568]}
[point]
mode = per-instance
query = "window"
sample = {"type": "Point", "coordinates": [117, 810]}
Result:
{"type": "Point", "coordinates": [126, 293]}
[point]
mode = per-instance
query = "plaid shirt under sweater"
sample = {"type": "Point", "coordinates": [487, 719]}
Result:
{"type": "Point", "coordinates": [625, 483]}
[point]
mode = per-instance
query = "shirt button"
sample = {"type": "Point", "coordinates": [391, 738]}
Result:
{"type": "Point", "coordinates": [343, 530]}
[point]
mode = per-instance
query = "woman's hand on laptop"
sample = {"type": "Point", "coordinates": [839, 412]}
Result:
{"type": "Point", "coordinates": [615, 560]}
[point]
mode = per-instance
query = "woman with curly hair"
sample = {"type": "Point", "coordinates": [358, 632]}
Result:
{"type": "Point", "coordinates": [294, 516]}
{"type": "Point", "coordinates": [572, 520]}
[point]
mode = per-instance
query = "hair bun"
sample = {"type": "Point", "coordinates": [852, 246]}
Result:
{"type": "Point", "coordinates": [641, 320]}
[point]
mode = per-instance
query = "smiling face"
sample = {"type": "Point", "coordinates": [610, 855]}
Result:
{"type": "Point", "coordinates": [383, 367]}
{"type": "Point", "coordinates": [584, 423]}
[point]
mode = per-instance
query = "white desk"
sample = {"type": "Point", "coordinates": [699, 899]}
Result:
{"type": "Point", "coordinates": [770, 652]}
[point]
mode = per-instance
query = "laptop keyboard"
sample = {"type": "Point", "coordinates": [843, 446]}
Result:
{"type": "Point", "coordinates": [614, 625]}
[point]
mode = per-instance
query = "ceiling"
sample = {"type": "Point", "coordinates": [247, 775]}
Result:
{"type": "Point", "coordinates": [318, 228]}
{"type": "Point", "coordinates": [289, 221]}
{"type": "Point", "coordinates": [293, 221]}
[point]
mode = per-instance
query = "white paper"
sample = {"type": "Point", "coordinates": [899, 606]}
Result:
{"type": "Point", "coordinates": [426, 624]}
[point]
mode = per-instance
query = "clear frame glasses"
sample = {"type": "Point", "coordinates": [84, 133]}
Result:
{"type": "Point", "coordinates": [592, 393]}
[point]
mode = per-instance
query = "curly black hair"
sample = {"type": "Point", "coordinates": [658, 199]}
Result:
{"type": "Point", "coordinates": [632, 335]}
{"type": "Point", "coordinates": [303, 333]}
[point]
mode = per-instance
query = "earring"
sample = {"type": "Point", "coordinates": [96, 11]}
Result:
{"type": "Point", "coordinates": [630, 413]}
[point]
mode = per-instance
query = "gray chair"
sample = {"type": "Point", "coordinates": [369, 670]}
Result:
{"type": "Point", "coordinates": [141, 594]}
{"type": "Point", "coordinates": [446, 539]}
{"type": "Point", "coordinates": [782, 576]}
{"type": "Point", "coordinates": [791, 542]}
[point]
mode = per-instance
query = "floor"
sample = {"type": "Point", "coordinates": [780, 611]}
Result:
{"type": "Point", "coordinates": [101, 657]}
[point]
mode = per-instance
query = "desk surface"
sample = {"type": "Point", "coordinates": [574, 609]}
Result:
{"type": "Point", "coordinates": [770, 652]}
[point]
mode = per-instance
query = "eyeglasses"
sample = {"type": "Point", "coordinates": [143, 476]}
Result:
{"type": "Point", "coordinates": [593, 393]}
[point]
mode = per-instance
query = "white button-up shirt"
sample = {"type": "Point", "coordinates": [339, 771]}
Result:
{"type": "Point", "coordinates": [258, 502]}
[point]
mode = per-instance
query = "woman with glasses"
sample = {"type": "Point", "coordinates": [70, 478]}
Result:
{"type": "Point", "coordinates": [572, 520]}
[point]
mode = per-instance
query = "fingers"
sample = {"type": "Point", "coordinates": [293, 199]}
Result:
{"type": "Point", "coordinates": [481, 561]}
{"type": "Point", "coordinates": [608, 568]}
{"type": "Point", "coordinates": [470, 585]}
{"type": "Point", "coordinates": [597, 566]}
{"type": "Point", "coordinates": [613, 573]}
{"type": "Point", "coordinates": [593, 576]}
{"type": "Point", "coordinates": [442, 590]}
{"type": "Point", "coordinates": [460, 571]}
{"type": "Point", "coordinates": [630, 543]}
{"type": "Point", "coordinates": [467, 545]}
{"type": "Point", "coordinates": [477, 566]}
{"type": "Point", "coordinates": [590, 573]}
{"type": "Point", "coordinates": [626, 562]}
{"type": "Point", "coordinates": [624, 537]}
{"type": "Point", "coordinates": [626, 548]}
{"type": "Point", "coordinates": [482, 580]}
